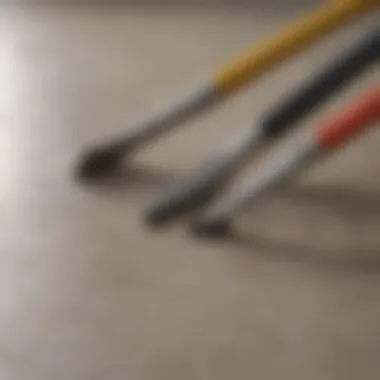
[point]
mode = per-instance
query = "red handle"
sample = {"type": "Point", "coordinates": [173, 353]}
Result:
{"type": "Point", "coordinates": [351, 121]}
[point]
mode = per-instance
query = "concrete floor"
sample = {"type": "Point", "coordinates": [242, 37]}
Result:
{"type": "Point", "coordinates": [86, 292]}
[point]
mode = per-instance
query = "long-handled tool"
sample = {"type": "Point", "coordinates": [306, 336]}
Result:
{"type": "Point", "coordinates": [202, 184]}
{"type": "Point", "coordinates": [349, 122]}
{"type": "Point", "coordinates": [105, 158]}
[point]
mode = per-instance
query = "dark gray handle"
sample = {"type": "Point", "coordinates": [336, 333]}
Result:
{"type": "Point", "coordinates": [328, 81]}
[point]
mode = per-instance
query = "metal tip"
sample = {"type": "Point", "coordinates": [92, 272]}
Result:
{"type": "Point", "coordinates": [98, 163]}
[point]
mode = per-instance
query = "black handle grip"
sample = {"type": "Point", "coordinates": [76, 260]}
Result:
{"type": "Point", "coordinates": [330, 79]}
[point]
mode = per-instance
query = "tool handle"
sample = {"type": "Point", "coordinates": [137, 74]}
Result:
{"type": "Point", "coordinates": [294, 38]}
{"type": "Point", "coordinates": [332, 77]}
{"type": "Point", "coordinates": [352, 121]}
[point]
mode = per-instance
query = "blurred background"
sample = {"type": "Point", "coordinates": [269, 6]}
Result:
{"type": "Point", "coordinates": [202, 3]}
{"type": "Point", "coordinates": [87, 292]}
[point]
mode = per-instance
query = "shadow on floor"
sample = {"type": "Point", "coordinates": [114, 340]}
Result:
{"type": "Point", "coordinates": [134, 179]}
{"type": "Point", "coordinates": [338, 227]}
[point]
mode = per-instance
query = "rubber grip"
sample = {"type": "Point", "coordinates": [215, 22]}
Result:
{"type": "Point", "coordinates": [351, 121]}
{"type": "Point", "coordinates": [291, 40]}
{"type": "Point", "coordinates": [330, 79]}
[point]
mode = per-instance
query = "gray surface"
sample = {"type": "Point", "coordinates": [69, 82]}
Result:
{"type": "Point", "coordinates": [88, 293]}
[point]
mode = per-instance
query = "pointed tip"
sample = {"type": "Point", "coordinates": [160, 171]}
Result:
{"type": "Point", "coordinates": [97, 163]}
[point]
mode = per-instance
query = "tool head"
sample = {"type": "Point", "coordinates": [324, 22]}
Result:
{"type": "Point", "coordinates": [98, 163]}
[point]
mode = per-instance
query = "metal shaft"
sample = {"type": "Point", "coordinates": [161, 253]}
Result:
{"type": "Point", "coordinates": [215, 218]}
{"type": "Point", "coordinates": [202, 185]}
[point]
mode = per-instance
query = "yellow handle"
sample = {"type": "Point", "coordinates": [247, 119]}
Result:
{"type": "Point", "coordinates": [279, 47]}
